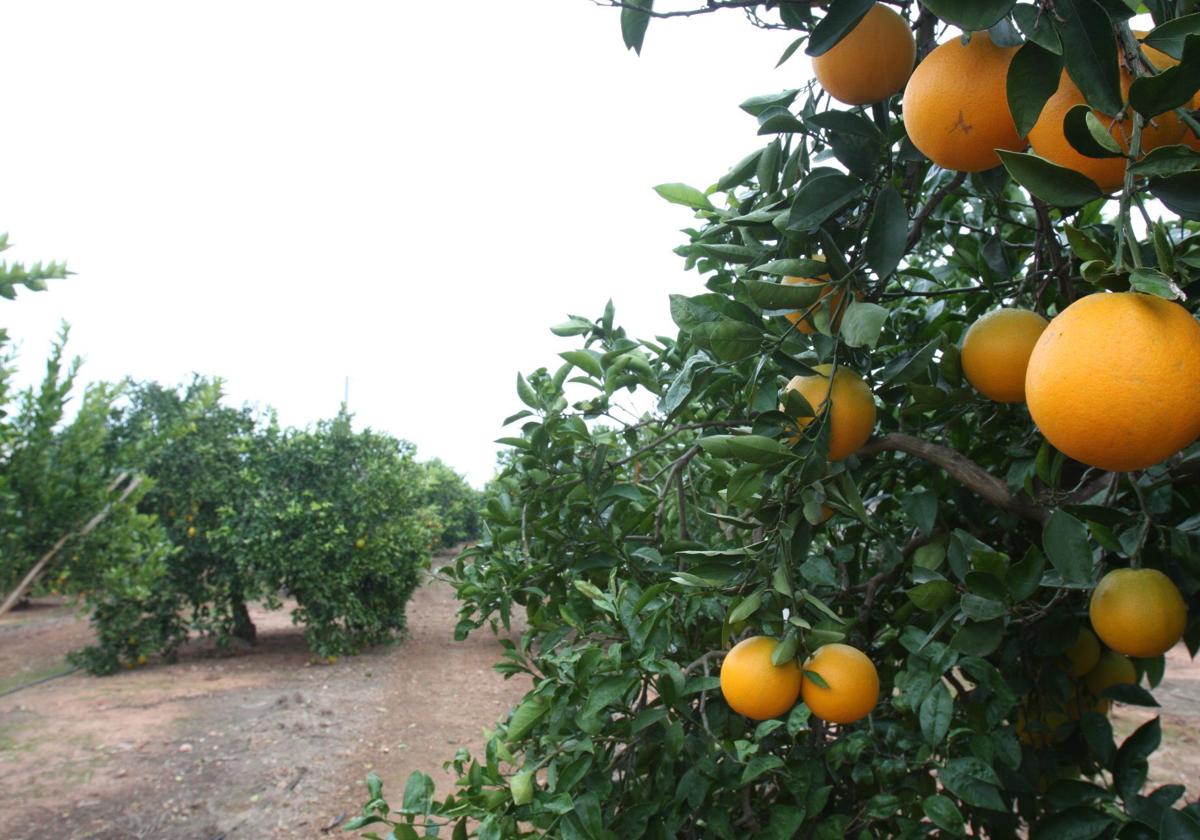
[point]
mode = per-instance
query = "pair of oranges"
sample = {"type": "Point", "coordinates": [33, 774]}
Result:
{"type": "Point", "coordinates": [956, 107]}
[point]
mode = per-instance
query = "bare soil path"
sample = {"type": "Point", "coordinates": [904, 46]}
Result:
{"type": "Point", "coordinates": [249, 743]}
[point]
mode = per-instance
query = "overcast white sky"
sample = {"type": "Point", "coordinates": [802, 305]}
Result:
{"type": "Point", "coordinates": [407, 193]}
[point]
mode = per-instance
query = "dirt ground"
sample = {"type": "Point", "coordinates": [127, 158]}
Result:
{"type": "Point", "coordinates": [259, 743]}
{"type": "Point", "coordinates": [249, 743]}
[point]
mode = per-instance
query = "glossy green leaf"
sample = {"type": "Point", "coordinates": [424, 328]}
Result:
{"type": "Point", "coordinates": [1172, 88]}
{"type": "Point", "coordinates": [839, 20]}
{"type": "Point", "coordinates": [822, 197]}
{"type": "Point", "coordinates": [1033, 78]}
{"type": "Point", "coordinates": [970, 15]}
{"type": "Point", "coordinates": [634, 20]}
{"type": "Point", "coordinates": [888, 233]}
{"type": "Point", "coordinates": [1051, 183]}
{"type": "Point", "coordinates": [1090, 52]}
{"type": "Point", "coordinates": [863, 323]}
{"type": "Point", "coordinates": [685, 195]}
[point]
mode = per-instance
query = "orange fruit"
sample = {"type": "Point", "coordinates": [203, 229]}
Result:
{"type": "Point", "coordinates": [1083, 654]}
{"type": "Point", "coordinates": [851, 411]}
{"type": "Point", "coordinates": [852, 679]}
{"type": "Point", "coordinates": [1114, 381]}
{"type": "Point", "coordinates": [1037, 724]}
{"type": "Point", "coordinates": [802, 318]}
{"type": "Point", "coordinates": [1138, 612]}
{"type": "Point", "coordinates": [1049, 140]}
{"type": "Point", "coordinates": [752, 686]}
{"type": "Point", "coordinates": [191, 531]}
{"type": "Point", "coordinates": [995, 352]}
{"type": "Point", "coordinates": [872, 62]}
{"type": "Point", "coordinates": [1112, 669]}
{"type": "Point", "coordinates": [956, 105]}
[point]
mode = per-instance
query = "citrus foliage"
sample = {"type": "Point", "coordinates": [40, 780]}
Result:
{"type": "Point", "coordinates": [641, 544]}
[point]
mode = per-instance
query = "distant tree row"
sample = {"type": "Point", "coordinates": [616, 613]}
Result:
{"type": "Point", "coordinates": [229, 508]}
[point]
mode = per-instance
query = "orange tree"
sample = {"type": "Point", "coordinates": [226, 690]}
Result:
{"type": "Point", "coordinates": [665, 499]}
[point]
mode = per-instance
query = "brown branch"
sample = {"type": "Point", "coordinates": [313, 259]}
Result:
{"type": "Point", "coordinates": [962, 469]}
{"type": "Point", "coordinates": [914, 235]}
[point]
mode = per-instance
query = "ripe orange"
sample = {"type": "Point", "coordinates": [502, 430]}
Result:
{"type": "Point", "coordinates": [802, 318]}
{"type": "Point", "coordinates": [852, 679]}
{"type": "Point", "coordinates": [1112, 669]}
{"type": "Point", "coordinates": [995, 352]}
{"type": "Point", "coordinates": [851, 412]}
{"type": "Point", "coordinates": [1050, 141]}
{"type": "Point", "coordinates": [191, 531]}
{"type": "Point", "coordinates": [956, 105]}
{"type": "Point", "coordinates": [872, 62]}
{"type": "Point", "coordinates": [1114, 379]}
{"type": "Point", "coordinates": [1083, 654]}
{"type": "Point", "coordinates": [752, 686]}
{"type": "Point", "coordinates": [1138, 612]}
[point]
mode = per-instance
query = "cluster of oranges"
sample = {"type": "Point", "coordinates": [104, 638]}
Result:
{"type": "Point", "coordinates": [1135, 612]}
{"type": "Point", "coordinates": [956, 100]}
{"type": "Point", "coordinates": [1083, 391]}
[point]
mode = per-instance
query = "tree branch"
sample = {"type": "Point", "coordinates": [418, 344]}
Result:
{"type": "Point", "coordinates": [965, 471]}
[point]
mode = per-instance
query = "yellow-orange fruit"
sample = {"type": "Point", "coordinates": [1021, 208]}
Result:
{"type": "Point", "coordinates": [851, 407]}
{"type": "Point", "coordinates": [872, 61]}
{"type": "Point", "coordinates": [956, 105]}
{"type": "Point", "coordinates": [995, 352]}
{"type": "Point", "coordinates": [1138, 612]}
{"type": "Point", "coordinates": [1114, 381]}
{"type": "Point", "coordinates": [1083, 654]}
{"type": "Point", "coordinates": [752, 686]}
{"type": "Point", "coordinates": [1049, 139]}
{"type": "Point", "coordinates": [852, 679]}
{"type": "Point", "coordinates": [1112, 669]}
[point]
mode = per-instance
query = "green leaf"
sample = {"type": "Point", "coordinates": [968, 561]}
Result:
{"type": "Point", "coordinates": [634, 20]}
{"type": "Point", "coordinates": [1090, 52]}
{"type": "Point", "coordinates": [1180, 193]}
{"type": "Point", "coordinates": [1170, 37]}
{"type": "Point", "coordinates": [1172, 88]}
{"type": "Point", "coordinates": [685, 195]}
{"type": "Point", "coordinates": [982, 609]}
{"type": "Point", "coordinates": [1024, 578]}
{"type": "Point", "coordinates": [970, 15]}
{"type": "Point", "coordinates": [821, 197]}
{"type": "Point", "coordinates": [783, 295]}
{"type": "Point", "coordinates": [728, 340]}
{"type": "Point", "coordinates": [603, 694]}
{"type": "Point", "coordinates": [974, 782]}
{"type": "Point", "coordinates": [756, 449]}
{"type": "Point", "coordinates": [888, 233]}
{"type": "Point", "coordinates": [863, 323]}
{"type": "Point", "coordinates": [575, 326]}
{"type": "Point", "coordinates": [1076, 823]}
{"type": "Point", "coordinates": [815, 678]}
{"type": "Point", "coordinates": [1084, 246]}
{"type": "Point", "coordinates": [1051, 183]}
{"type": "Point", "coordinates": [785, 651]}
{"type": "Point", "coordinates": [526, 393]}
{"type": "Point", "coordinates": [842, 17]}
{"type": "Point", "coordinates": [1085, 132]}
{"type": "Point", "coordinates": [1154, 282]}
{"type": "Point", "coordinates": [1133, 695]}
{"type": "Point", "coordinates": [756, 105]}
{"type": "Point", "coordinates": [1036, 27]}
{"type": "Point", "coordinates": [759, 766]}
{"type": "Point", "coordinates": [936, 713]}
{"type": "Point", "coordinates": [1065, 540]}
{"type": "Point", "coordinates": [418, 794]}
{"type": "Point", "coordinates": [586, 360]}
{"type": "Point", "coordinates": [978, 638]}
{"type": "Point", "coordinates": [1165, 161]}
{"type": "Point", "coordinates": [523, 719]}
{"type": "Point", "coordinates": [1176, 825]}
{"type": "Point", "coordinates": [943, 812]}
{"type": "Point", "coordinates": [746, 608]}
{"type": "Point", "coordinates": [740, 172]}
{"type": "Point", "coordinates": [931, 595]}
{"type": "Point", "coordinates": [1033, 78]}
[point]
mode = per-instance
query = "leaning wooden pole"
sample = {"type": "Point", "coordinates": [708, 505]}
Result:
{"type": "Point", "coordinates": [30, 579]}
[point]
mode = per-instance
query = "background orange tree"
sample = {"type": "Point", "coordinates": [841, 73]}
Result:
{"type": "Point", "coordinates": [659, 501]}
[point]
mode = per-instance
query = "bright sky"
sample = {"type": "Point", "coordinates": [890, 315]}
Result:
{"type": "Point", "coordinates": [406, 193]}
